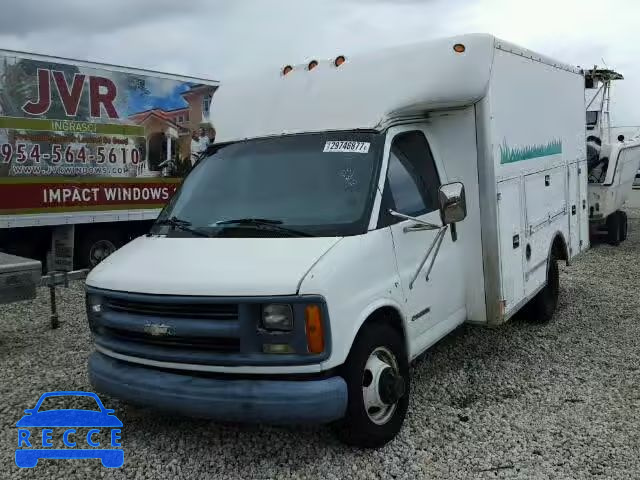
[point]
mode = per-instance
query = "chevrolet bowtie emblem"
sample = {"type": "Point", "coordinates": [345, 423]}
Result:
{"type": "Point", "coordinates": [158, 330]}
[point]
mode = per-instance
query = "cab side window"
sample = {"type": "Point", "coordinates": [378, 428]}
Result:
{"type": "Point", "coordinates": [412, 182]}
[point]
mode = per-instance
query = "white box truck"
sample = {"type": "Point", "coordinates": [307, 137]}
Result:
{"type": "Point", "coordinates": [352, 212]}
{"type": "Point", "coordinates": [90, 153]}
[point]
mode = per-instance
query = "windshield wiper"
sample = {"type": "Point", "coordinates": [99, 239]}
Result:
{"type": "Point", "coordinates": [265, 224]}
{"type": "Point", "coordinates": [250, 221]}
{"type": "Point", "coordinates": [180, 224]}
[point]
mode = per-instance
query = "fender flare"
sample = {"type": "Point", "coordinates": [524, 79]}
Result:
{"type": "Point", "coordinates": [559, 235]}
{"type": "Point", "coordinates": [370, 310]}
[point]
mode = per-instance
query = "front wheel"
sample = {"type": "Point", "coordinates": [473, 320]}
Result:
{"type": "Point", "coordinates": [377, 376]}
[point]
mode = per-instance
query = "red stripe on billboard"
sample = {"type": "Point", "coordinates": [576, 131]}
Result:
{"type": "Point", "coordinates": [83, 195]}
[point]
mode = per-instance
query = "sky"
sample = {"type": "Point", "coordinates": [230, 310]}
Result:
{"type": "Point", "coordinates": [221, 39]}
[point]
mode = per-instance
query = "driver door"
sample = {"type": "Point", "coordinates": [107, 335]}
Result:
{"type": "Point", "coordinates": [434, 305]}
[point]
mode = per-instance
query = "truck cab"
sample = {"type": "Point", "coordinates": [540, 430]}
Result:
{"type": "Point", "coordinates": [334, 232]}
{"type": "Point", "coordinates": [281, 249]}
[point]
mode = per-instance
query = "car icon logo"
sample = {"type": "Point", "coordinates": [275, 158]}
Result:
{"type": "Point", "coordinates": [83, 429]}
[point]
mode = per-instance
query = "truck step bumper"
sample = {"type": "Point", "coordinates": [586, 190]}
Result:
{"type": "Point", "coordinates": [254, 401]}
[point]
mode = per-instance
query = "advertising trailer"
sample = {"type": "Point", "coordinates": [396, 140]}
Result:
{"type": "Point", "coordinates": [90, 153]}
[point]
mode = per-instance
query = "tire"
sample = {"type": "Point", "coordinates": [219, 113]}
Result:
{"type": "Point", "coordinates": [376, 344]}
{"type": "Point", "coordinates": [96, 245]}
{"type": "Point", "coordinates": [544, 304]}
{"type": "Point", "coordinates": [624, 226]}
{"type": "Point", "coordinates": [613, 229]}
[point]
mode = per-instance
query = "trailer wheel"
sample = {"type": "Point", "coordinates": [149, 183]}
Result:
{"type": "Point", "coordinates": [96, 245]}
{"type": "Point", "coordinates": [377, 376]}
{"type": "Point", "coordinates": [614, 229]}
{"type": "Point", "coordinates": [544, 304]}
{"type": "Point", "coordinates": [624, 226]}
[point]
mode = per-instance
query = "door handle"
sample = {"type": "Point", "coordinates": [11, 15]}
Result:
{"type": "Point", "coordinates": [418, 227]}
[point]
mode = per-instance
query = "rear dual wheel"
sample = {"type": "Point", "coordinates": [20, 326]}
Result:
{"type": "Point", "coordinates": [544, 304]}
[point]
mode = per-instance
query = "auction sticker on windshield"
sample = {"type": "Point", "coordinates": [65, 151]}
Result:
{"type": "Point", "coordinates": [346, 147]}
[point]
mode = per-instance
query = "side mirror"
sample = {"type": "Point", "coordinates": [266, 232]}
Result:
{"type": "Point", "coordinates": [453, 203]}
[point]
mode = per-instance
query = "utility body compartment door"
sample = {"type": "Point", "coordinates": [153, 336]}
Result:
{"type": "Point", "coordinates": [545, 214]}
{"type": "Point", "coordinates": [545, 197]}
{"type": "Point", "coordinates": [575, 209]}
{"type": "Point", "coordinates": [511, 243]}
{"type": "Point", "coordinates": [584, 207]}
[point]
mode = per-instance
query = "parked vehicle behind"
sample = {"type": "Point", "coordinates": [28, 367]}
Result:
{"type": "Point", "coordinates": [84, 153]}
{"type": "Point", "coordinates": [612, 162]}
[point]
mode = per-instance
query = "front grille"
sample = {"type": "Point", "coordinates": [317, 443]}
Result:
{"type": "Point", "coordinates": [212, 311]}
{"type": "Point", "coordinates": [175, 329]}
{"type": "Point", "coordinates": [211, 344]}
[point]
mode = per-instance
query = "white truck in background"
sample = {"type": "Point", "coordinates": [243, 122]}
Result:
{"type": "Point", "coordinates": [336, 230]}
{"type": "Point", "coordinates": [612, 163]}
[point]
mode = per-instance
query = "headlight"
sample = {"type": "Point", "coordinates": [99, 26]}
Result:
{"type": "Point", "coordinates": [277, 317]}
{"type": "Point", "coordinates": [94, 308]}
{"type": "Point", "coordinates": [94, 304]}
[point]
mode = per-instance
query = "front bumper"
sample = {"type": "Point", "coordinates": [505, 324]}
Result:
{"type": "Point", "coordinates": [255, 401]}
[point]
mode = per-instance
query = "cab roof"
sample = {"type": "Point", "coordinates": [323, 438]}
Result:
{"type": "Point", "coordinates": [366, 92]}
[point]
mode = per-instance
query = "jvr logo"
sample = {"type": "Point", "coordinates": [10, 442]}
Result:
{"type": "Point", "coordinates": [92, 432]}
{"type": "Point", "coordinates": [102, 93]}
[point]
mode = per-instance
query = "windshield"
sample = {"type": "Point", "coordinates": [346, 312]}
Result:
{"type": "Point", "coordinates": [313, 184]}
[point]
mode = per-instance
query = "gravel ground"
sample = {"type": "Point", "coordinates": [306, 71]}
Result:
{"type": "Point", "coordinates": [521, 401]}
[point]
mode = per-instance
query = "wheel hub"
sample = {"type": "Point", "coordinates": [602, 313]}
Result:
{"type": "Point", "coordinates": [382, 385]}
{"type": "Point", "coordinates": [390, 386]}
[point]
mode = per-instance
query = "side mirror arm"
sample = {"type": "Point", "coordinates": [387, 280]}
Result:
{"type": "Point", "coordinates": [430, 226]}
{"type": "Point", "coordinates": [437, 241]}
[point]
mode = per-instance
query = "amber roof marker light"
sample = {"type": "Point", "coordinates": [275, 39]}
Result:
{"type": "Point", "coordinates": [312, 64]}
{"type": "Point", "coordinates": [459, 48]}
{"type": "Point", "coordinates": [339, 60]}
{"type": "Point", "coordinates": [287, 69]}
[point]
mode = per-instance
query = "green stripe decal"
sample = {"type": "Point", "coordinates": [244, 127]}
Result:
{"type": "Point", "coordinates": [512, 155]}
{"type": "Point", "coordinates": [71, 126]}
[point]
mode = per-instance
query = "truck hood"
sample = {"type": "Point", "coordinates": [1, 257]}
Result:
{"type": "Point", "coordinates": [215, 266]}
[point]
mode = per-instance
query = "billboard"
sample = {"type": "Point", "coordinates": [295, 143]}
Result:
{"type": "Point", "coordinates": [89, 137]}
